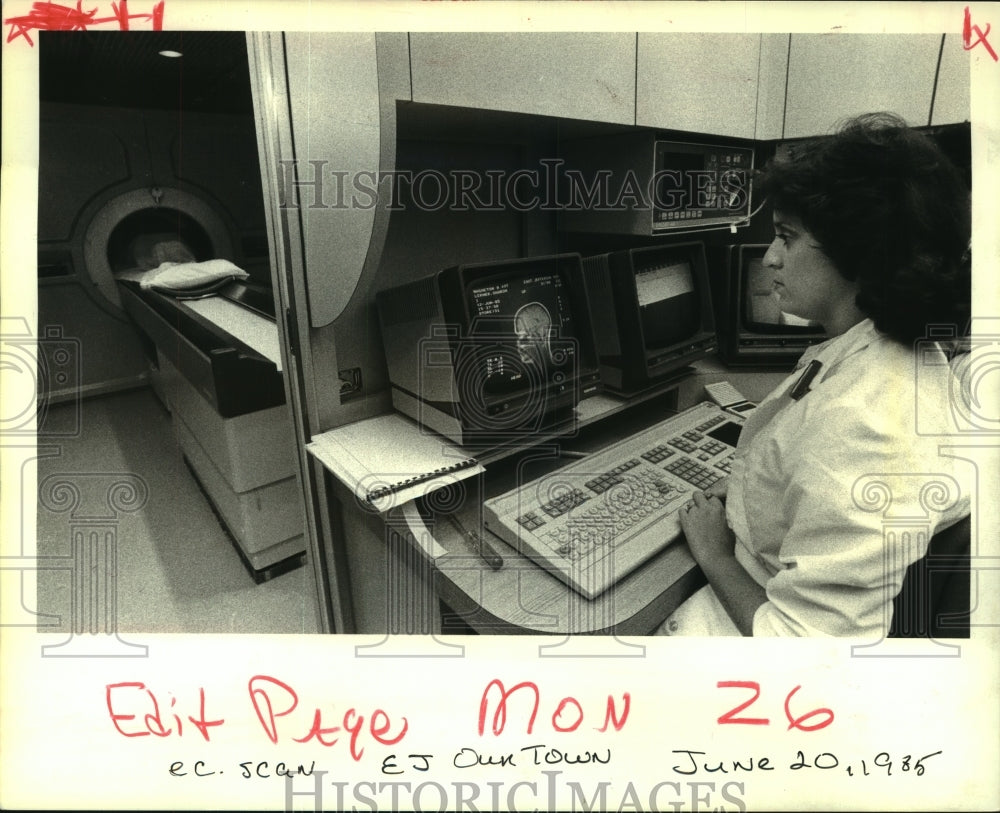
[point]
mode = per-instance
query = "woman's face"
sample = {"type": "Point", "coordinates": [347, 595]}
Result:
{"type": "Point", "coordinates": [805, 281]}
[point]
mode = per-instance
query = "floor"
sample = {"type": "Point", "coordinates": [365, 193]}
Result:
{"type": "Point", "coordinates": [118, 471]}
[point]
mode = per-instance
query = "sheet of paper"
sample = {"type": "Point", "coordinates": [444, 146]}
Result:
{"type": "Point", "coordinates": [389, 460]}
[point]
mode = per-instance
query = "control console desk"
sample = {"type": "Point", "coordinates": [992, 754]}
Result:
{"type": "Point", "coordinates": [414, 568]}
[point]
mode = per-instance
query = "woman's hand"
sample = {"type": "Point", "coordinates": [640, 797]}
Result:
{"type": "Point", "coordinates": [703, 521]}
{"type": "Point", "coordinates": [720, 488]}
{"type": "Point", "coordinates": [713, 545]}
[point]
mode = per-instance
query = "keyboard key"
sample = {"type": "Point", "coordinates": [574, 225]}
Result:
{"type": "Point", "coordinates": [658, 453]}
{"type": "Point", "coordinates": [693, 472]}
{"type": "Point", "coordinates": [683, 444]}
{"type": "Point", "coordinates": [564, 503]}
{"type": "Point", "coordinates": [710, 423]}
{"type": "Point", "coordinates": [714, 447]}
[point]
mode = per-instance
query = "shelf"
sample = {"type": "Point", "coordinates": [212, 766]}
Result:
{"type": "Point", "coordinates": [588, 412]}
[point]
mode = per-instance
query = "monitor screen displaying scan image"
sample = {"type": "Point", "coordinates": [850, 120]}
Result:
{"type": "Point", "coordinates": [487, 352]}
{"type": "Point", "coordinates": [526, 320]}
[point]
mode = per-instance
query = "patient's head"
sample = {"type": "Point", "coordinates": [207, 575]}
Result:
{"type": "Point", "coordinates": [533, 327]}
{"type": "Point", "coordinates": [151, 250]}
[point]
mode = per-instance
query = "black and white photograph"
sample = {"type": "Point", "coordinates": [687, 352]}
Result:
{"type": "Point", "coordinates": [500, 406]}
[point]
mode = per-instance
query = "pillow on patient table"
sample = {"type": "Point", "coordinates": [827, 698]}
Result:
{"type": "Point", "coordinates": [187, 278]}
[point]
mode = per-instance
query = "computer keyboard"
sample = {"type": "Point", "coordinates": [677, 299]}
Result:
{"type": "Point", "coordinates": [592, 522]}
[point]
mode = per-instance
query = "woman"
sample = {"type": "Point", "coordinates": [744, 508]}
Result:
{"type": "Point", "coordinates": [871, 233]}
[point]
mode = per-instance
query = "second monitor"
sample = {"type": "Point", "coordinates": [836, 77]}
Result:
{"type": "Point", "coordinates": [652, 313]}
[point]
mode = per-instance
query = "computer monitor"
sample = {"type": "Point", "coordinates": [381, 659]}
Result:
{"type": "Point", "coordinates": [643, 184]}
{"type": "Point", "coordinates": [754, 330]}
{"type": "Point", "coordinates": [486, 352]}
{"type": "Point", "coordinates": [652, 313]}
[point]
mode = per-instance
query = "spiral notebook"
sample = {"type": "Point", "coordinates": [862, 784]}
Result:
{"type": "Point", "coordinates": [389, 460]}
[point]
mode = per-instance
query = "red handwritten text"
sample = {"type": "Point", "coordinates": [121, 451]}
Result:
{"type": "Point", "coordinates": [136, 711]}
{"type": "Point", "coordinates": [136, 697]}
{"type": "Point", "coordinates": [567, 716]}
{"type": "Point", "coordinates": [826, 715]}
{"type": "Point", "coordinates": [49, 16]}
{"type": "Point", "coordinates": [968, 29]}
{"type": "Point", "coordinates": [266, 691]}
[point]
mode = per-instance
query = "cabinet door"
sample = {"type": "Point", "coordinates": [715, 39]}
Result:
{"type": "Point", "coordinates": [834, 76]}
{"type": "Point", "coordinates": [567, 74]}
{"type": "Point", "coordinates": [951, 96]}
{"type": "Point", "coordinates": [705, 83]}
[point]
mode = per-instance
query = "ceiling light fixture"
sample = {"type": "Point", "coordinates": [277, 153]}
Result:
{"type": "Point", "coordinates": [171, 54]}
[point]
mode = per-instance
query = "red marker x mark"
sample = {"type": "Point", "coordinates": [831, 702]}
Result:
{"type": "Point", "coordinates": [968, 29]}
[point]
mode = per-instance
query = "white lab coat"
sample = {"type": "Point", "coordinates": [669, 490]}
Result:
{"type": "Point", "coordinates": [833, 495]}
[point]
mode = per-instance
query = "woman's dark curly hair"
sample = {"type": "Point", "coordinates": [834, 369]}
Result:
{"type": "Point", "coordinates": [891, 212]}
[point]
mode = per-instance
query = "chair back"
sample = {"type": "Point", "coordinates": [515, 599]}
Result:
{"type": "Point", "coordinates": [934, 599]}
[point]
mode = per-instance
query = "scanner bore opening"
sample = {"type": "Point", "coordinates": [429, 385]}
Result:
{"type": "Point", "coordinates": [149, 237]}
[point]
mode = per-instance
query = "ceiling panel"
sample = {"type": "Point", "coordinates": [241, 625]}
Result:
{"type": "Point", "coordinates": [126, 69]}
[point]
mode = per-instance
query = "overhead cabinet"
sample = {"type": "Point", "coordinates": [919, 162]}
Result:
{"type": "Point", "coordinates": [951, 96]}
{"type": "Point", "coordinates": [723, 84]}
{"type": "Point", "coordinates": [567, 74]}
{"type": "Point", "coordinates": [753, 86]}
{"type": "Point", "coordinates": [832, 77]}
